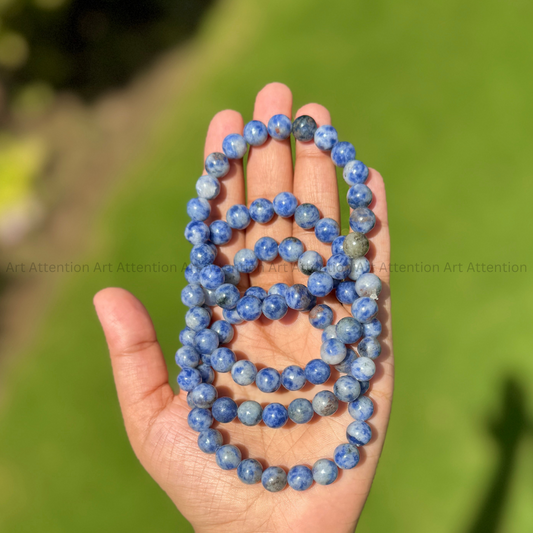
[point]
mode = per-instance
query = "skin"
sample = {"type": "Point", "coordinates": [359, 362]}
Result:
{"type": "Point", "coordinates": [156, 418]}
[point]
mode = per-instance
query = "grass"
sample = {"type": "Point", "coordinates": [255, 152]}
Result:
{"type": "Point", "coordinates": [437, 97]}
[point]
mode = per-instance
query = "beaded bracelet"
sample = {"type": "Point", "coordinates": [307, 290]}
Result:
{"type": "Point", "coordinates": [346, 273]}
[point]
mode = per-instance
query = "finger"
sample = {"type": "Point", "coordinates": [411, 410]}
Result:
{"type": "Point", "coordinates": [139, 368]}
{"type": "Point", "coordinates": [315, 182]}
{"type": "Point", "coordinates": [269, 172]}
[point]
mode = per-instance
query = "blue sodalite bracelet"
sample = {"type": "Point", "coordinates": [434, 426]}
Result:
{"type": "Point", "coordinates": [346, 273]}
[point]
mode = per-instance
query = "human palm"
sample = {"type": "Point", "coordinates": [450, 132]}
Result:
{"type": "Point", "coordinates": [156, 419]}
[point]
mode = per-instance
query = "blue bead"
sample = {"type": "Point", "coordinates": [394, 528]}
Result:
{"type": "Point", "coordinates": [310, 262]}
{"type": "Point", "coordinates": [311, 305]}
{"type": "Point", "coordinates": [243, 372]}
{"type": "Point", "coordinates": [206, 372]}
{"type": "Point", "coordinates": [303, 128]}
{"type": "Point", "coordinates": [224, 410]}
{"type": "Point", "coordinates": [202, 255]}
{"type": "Point", "coordinates": [258, 292]}
{"type": "Point", "coordinates": [363, 369]}
{"type": "Point", "coordinates": [249, 307]}
{"type": "Point", "coordinates": [228, 457]}
{"type": "Point", "coordinates": [346, 456]}
{"type": "Point", "coordinates": [231, 316]}
{"type": "Point", "coordinates": [224, 330]}
{"type": "Point", "coordinates": [261, 210]}
{"type": "Point", "coordinates": [199, 419]}
{"type": "Point", "coordinates": [227, 296]}
{"type": "Point", "coordinates": [342, 152]}
{"type": "Point", "coordinates": [222, 359]}
{"type": "Point", "coordinates": [358, 267]}
{"type": "Point", "coordinates": [197, 232]}
{"type": "Point", "coordinates": [327, 230]}
{"type": "Point", "coordinates": [207, 187]}
{"type": "Point", "coordinates": [210, 440]}
{"type": "Point", "coordinates": [300, 477]}
{"type": "Point", "coordinates": [325, 403]}
{"type": "Point", "coordinates": [361, 409]}
{"type": "Point", "coordinates": [293, 378]}
{"type": "Point", "coordinates": [255, 133]}
{"type": "Point", "coordinates": [192, 295]}
{"type": "Point", "coordinates": [285, 204]}
{"type": "Point", "coordinates": [197, 318]}
{"type": "Point", "coordinates": [238, 216]}
{"type": "Point", "coordinates": [333, 351]}
{"type": "Point", "coordinates": [359, 196]}
{"type": "Point", "coordinates": [266, 249]}
{"type": "Point", "coordinates": [198, 209]}
{"type": "Point", "coordinates": [372, 329]}
{"type": "Point", "coordinates": [338, 266]}
{"type": "Point", "coordinates": [192, 274]}
{"type": "Point", "coordinates": [365, 385]}
{"type": "Point", "coordinates": [306, 216]}
{"type": "Point", "coordinates": [321, 316]}
{"type": "Point", "coordinates": [234, 146]}
{"type": "Point", "coordinates": [204, 395]}
{"type": "Point", "coordinates": [279, 127]}
{"type": "Point", "coordinates": [320, 284]}
{"type": "Point", "coordinates": [291, 249]}
{"type": "Point", "coordinates": [187, 356]}
{"type": "Point", "coordinates": [250, 471]}
{"type": "Point", "coordinates": [274, 479]}
{"type": "Point", "coordinates": [326, 137]}
{"type": "Point", "coordinates": [358, 433]}
{"type": "Point", "coordinates": [329, 333]}
{"type": "Point", "coordinates": [349, 330]}
{"type": "Point", "coordinates": [211, 277]}
{"type": "Point", "coordinates": [362, 220]}
{"type": "Point", "coordinates": [347, 389]}
{"type": "Point", "coordinates": [355, 172]}
{"type": "Point", "coordinates": [345, 292]}
{"type": "Point", "coordinates": [232, 275]}
{"type": "Point", "coordinates": [210, 300]}
{"type": "Point", "coordinates": [268, 380]}
{"type": "Point", "coordinates": [187, 337]}
{"type": "Point", "coordinates": [369, 347]}
{"type": "Point", "coordinates": [206, 341]}
{"type": "Point", "coordinates": [298, 297]}
{"type": "Point", "coordinates": [325, 472]}
{"type": "Point", "coordinates": [245, 261]}
{"type": "Point", "coordinates": [221, 232]}
{"type": "Point", "coordinates": [300, 411]}
{"type": "Point", "coordinates": [317, 372]}
{"type": "Point", "coordinates": [275, 415]}
{"type": "Point", "coordinates": [217, 165]}
{"type": "Point", "coordinates": [250, 413]}
{"type": "Point", "coordinates": [345, 366]}
{"type": "Point", "coordinates": [336, 245]}
{"type": "Point", "coordinates": [368, 285]}
{"type": "Point", "coordinates": [214, 249]}
{"type": "Point", "coordinates": [274, 307]}
{"type": "Point", "coordinates": [364, 309]}
{"type": "Point", "coordinates": [279, 289]}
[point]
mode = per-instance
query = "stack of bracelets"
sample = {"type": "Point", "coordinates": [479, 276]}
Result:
{"type": "Point", "coordinates": [346, 272]}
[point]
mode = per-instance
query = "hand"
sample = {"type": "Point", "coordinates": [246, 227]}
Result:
{"type": "Point", "coordinates": [156, 419]}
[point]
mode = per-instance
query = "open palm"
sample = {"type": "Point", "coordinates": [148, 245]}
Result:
{"type": "Point", "coordinates": [156, 419]}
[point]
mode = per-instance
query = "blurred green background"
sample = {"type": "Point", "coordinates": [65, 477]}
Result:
{"type": "Point", "coordinates": [97, 169]}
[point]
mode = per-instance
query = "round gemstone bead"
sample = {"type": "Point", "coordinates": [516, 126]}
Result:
{"type": "Point", "coordinates": [234, 146]}
{"type": "Point", "coordinates": [342, 152]}
{"type": "Point", "coordinates": [345, 292]}
{"type": "Point", "coordinates": [356, 244]}
{"type": "Point", "coordinates": [365, 385]}
{"type": "Point", "coordinates": [238, 216]}
{"type": "Point", "coordinates": [258, 292]}
{"type": "Point", "coordinates": [326, 137]}
{"type": "Point", "coordinates": [250, 413]}
{"type": "Point", "coordinates": [220, 232]}
{"type": "Point", "coordinates": [210, 440]}
{"type": "Point", "coordinates": [228, 457]}
{"type": "Point", "coordinates": [279, 127]}
{"type": "Point", "coordinates": [300, 477]}
{"type": "Point", "coordinates": [206, 341]}
{"type": "Point", "coordinates": [358, 433]}
{"type": "Point", "coordinates": [333, 351]}
{"type": "Point", "coordinates": [249, 307]}
{"type": "Point", "coordinates": [268, 380]}
{"type": "Point", "coordinates": [275, 415]}
{"type": "Point", "coordinates": [368, 285]}
{"type": "Point", "coordinates": [192, 274]}
{"type": "Point", "coordinates": [261, 210]}
{"type": "Point", "coordinates": [192, 295]}
{"type": "Point", "coordinates": [204, 395]}
{"type": "Point", "coordinates": [243, 372]}
{"type": "Point", "coordinates": [206, 372]}
{"type": "Point", "coordinates": [362, 220]}
{"type": "Point", "coordinates": [304, 128]}
{"type": "Point", "coordinates": [298, 297]}
{"type": "Point", "coordinates": [224, 330]}
{"type": "Point", "coordinates": [217, 165]}
{"type": "Point", "coordinates": [199, 419]}
{"type": "Point", "coordinates": [364, 309]}
{"type": "Point", "coordinates": [207, 187]}
{"type": "Point", "coordinates": [359, 266]}
{"type": "Point", "coordinates": [329, 333]}
{"type": "Point", "coordinates": [321, 316]}
{"type": "Point", "coordinates": [187, 356]}
{"type": "Point", "coordinates": [310, 262]}
{"type": "Point", "coordinates": [312, 303]}
{"type": "Point", "coordinates": [317, 372]}
{"type": "Point", "coordinates": [320, 284]}
{"type": "Point", "coordinates": [274, 479]}
{"type": "Point", "coordinates": [211, 277]}
{"type": "Point", "coordinates": [338, 266]}
{"type": "Point", "coordinates": [274, 307]}
{"type": "Point", "coordinates": [346, 456]}
{"type": "Point", "coordinates": [266, 249]}
{"type": "Point", "coordinates": [355, 172]}
{"type": "Point", "coordinates": [285, 204]}
{"type": "Point", "coordinates": [336, 245]}
{"type": "Point", "coordinates": [293, 378]}
{"type": "Point", "coordinates": [300, 411]}
{"type": "Point", "coordinates": [245, 261]}
{"type": "Point", "coordinates": [347, 389]}
{"type": "Point", "coordinates": [224, 410]}
{"type": "Point", "coordinates": [363, 369]}
{"type": "Point", "coordinates": [198, 209]}
{"type": "Point", "coordinates": [187, 337]}
{"type": "Point", "coordinates": [255, 133]}
{"type": "Point", "coordinates": [202, 255]}
{"type": "Point", "coordinates": [197, 318]}
{"type": "Point", "coordinates": [250, 471]}
{"type": "Point", "coordinates": [279, 289]}
{"type": "Point", "coordinates": [349, 330]}
{"type": "Point", "coordinates": [372, 329]}
{"type": "Point", "coordinates": [231, 316]}
{"type": "Point", "coordinates": [325, 472]}
{"type": "Point", "coordinates": [369, 347]}
{"type": "Point", "coordinates": [306, 216]}
{"type": "Point", "coordinates": [325, 403]}
{"type": "Point", "coordinates": [232, 275]}
{"type": "Point", "coordinates": [222, 360]}
{"type": "Point", "coordinates": [327, 230]}
{"type": "Point", "coordinates": [291, 249]}
{"type": "Point", "coordinates": [359, 196]}
{"type": "Point", "coordinates": [361, 409]}
{"type": "Point", "coordinates": [197, 232]}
